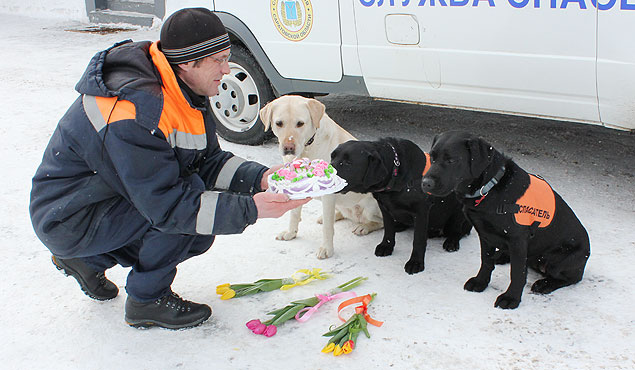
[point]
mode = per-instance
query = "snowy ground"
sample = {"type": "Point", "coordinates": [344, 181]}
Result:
{"type": "Point", "coordinates": [430, 321]}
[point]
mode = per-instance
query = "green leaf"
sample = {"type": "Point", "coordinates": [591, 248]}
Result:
{"type": "Point", "coordinates": [240, 286]}
{"type": "Point", "coordinates": [279, 310]}
{"type": "Point", "coordinates": [352, 283]}
{"type": "Point", "coordinates": [344, 325]}
{"type": "Point", "coordinates": [309, 302]}
{"type": "Point", "coordinates": [247, 291]}
{"type": "Point", "coordinates": [271, 285]}
{"type": "Point", "coordinates": [363, 324]}
{"type": "Point", "coordinates": [338, 336]}
{"type": "Point", "coordinates": [288, 315]}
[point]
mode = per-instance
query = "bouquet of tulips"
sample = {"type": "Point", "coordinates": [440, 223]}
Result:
{"type": "Point", "coordinates": [300, 277]}
{"type": "Point", "coordinates": [344, 337]}
{"type": "Point", "coordinates": [302, 309]}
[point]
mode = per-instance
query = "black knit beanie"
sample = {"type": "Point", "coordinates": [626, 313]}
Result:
{"type": "Point", "coordinates": [192, 33]}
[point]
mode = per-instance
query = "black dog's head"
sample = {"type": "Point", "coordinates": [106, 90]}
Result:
{"type": "Point", "coordinates": [457, 160]}
{"type": "Point", "coordinates": [359, 163]}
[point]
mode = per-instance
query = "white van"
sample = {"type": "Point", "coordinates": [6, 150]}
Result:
{"type": "Point", "coordinates": [563, 59]}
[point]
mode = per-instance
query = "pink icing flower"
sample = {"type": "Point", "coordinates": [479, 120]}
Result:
{"type": "Point", "coordinates": [318, 171]}
{"type": "Point", "coordinates": [290, 175]}
{"type": "Point", "coordinates": [297, 163]}
{"type": "Point", "coordinates": [322, 165]}
{"type": "Point", "coordinates": [270, 331]}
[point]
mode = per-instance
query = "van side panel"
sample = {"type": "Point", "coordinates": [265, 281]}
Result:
{"type": "Point", "coordinates": [534, 57]}
{"type": "Point", "coordinates": [616, 64]}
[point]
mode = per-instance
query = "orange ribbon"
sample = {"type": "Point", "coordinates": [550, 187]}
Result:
{"type": "Point", "coordinates": [363, 309]}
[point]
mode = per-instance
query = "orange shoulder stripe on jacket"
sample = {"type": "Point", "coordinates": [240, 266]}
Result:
{"type": "Point", "coordinates": [114, 110]}
{"type": "Point", "coordinates": [177, 113]}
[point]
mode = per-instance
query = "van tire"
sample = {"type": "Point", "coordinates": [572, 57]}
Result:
{"type": "Point", "coordinates": [241, 95]}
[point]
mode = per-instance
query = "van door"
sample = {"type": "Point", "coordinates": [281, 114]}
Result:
{"type": "Point", "coordinates": [533, 57]}
{"type": "Point", "coordinates": [300, 37]}
{"type": "Point", "coordinates": [616, 63]}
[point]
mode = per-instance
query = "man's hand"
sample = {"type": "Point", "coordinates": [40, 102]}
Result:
{"type": "Point", "coordinates": [264, 185]}
{"type": "Point", "coordinates": [272, 205]}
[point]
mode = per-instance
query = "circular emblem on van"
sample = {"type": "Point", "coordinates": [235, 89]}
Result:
{"type": "Point", "coordinates": [293, 19]}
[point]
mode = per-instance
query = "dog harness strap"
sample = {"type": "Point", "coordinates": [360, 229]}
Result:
{"type": "Point", "coordinates": [395, 169]}
{"type": "Point", "coordinates": [505, 208]}
{"type": "Point", "coordinates": [482, 192]}
{"type": "Point", "coordinates": [427, 166]}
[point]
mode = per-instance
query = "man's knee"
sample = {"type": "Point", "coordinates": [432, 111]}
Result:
{"type": "Point", "coordinates": [201, 244]}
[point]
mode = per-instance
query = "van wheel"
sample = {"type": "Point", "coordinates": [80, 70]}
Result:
{"type": "Point", "coordinates": [241, 94]}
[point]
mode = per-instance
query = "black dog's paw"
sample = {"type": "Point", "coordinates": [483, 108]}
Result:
{"type": "Point", "coordinates": [451, 245]}
{"type": "Point", "coordinates": [412, 267]}
{"type": "Point", "coordinates": [475, 285]}
{"type": "Point", "coordinates": [507, 302]}
{"type": "Point", "coordinates": [544, 286]}
{"type": "Point", "coordinates": [384, 250]}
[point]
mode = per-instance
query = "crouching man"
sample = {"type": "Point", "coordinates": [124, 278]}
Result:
{"type": "Point", "coordinates": [134, 174]}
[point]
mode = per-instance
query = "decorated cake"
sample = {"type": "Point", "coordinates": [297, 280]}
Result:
{"type": "Point", "coordinates": [304, 178]}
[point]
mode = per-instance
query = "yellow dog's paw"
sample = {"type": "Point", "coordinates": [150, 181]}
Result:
{"type": "Point", "coordinates": [287, 235]}
{"type": "Point", "coordinates": [325, 252]}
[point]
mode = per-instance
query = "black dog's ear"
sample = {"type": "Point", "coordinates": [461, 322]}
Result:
{"type": "Point", "coordinates": [480, 155]}
{"type": "Point", "coordinates": [434, 140]}
{"type": "Point", "coordinates": [375, 171]}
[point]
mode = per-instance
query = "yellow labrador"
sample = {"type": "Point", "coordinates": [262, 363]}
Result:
{"type": "Point", "coordinates": [304, 130]}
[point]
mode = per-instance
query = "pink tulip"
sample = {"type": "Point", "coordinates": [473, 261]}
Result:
{"type": "Point", "coordinates": [270, 331]}
{"type": "Point", "coordinates": [253, 324]}
{"type": "Point", "coordinates": [259, 329]}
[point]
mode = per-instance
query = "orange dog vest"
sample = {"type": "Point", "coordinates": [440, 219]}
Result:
{"type": "Point", "coordinates": [538, 204]}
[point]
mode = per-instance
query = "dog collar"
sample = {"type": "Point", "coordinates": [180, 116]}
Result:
{"type": "Point", "coordinates": [311, 139]}
{"type": "Point", "coordinates": [482, 192]}
{"type": "Point", "coordinates": [395, 169]}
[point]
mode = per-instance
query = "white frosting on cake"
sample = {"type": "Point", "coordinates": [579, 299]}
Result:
{"type": "Point", "coordinates": [304, 177]}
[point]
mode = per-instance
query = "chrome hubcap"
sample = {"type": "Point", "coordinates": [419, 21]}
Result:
{"type": "Point", "coordinates": [237, 104]}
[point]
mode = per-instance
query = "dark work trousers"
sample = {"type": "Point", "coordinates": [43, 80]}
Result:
{"type": "Point", "coordinates": [124, 237]}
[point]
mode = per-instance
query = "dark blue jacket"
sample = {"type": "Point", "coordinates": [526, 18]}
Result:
{"type": "Point", "coordinates": [134, 134]}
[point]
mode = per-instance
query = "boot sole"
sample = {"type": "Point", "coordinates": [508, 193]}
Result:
{"type": "Point", "coordinates": [146, 324]}
{"type": "Point", "coordinates": [67, 271]}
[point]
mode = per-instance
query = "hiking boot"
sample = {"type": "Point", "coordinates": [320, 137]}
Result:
{"type": "Point", "coordinates": [93, 283]}
{"type": "Point", "coordinates": [170, 311]}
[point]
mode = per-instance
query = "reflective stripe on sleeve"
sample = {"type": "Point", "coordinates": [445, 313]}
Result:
{"type": "Point", "coordinates": [92, 112]}
{"type": "Point", "coordinates": [186, 140]}
{"type": "Point", "coordinates": [226, 174]}
{"type": "Point", "coordinates": [207, 212]}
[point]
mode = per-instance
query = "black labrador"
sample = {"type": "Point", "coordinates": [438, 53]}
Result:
{"type": "Point", "coordinates": [513, 212]}
{"type": "Point", "coordinates": [392, 169]}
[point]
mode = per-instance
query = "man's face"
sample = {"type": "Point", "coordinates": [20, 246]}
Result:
{"type": "Point", "coordinates": [204, 77]}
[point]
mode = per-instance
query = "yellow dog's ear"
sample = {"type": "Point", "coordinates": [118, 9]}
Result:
{"type": "Point", "coordinates": [316, 110]}
{"type": "Point", "coordinates": [265, 115]}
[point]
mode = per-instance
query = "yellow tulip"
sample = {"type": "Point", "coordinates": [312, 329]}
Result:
{"type": "Point", "coordinates": [328, 348]}
{"type": "Point", "coordinates": [338, 350]}
{"type": "Point", "coordinates": [228, 294]}
{"type": "Point", "coordinates": [348, 347]}
{"type": "Point", "coordinates": [222, 290]}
